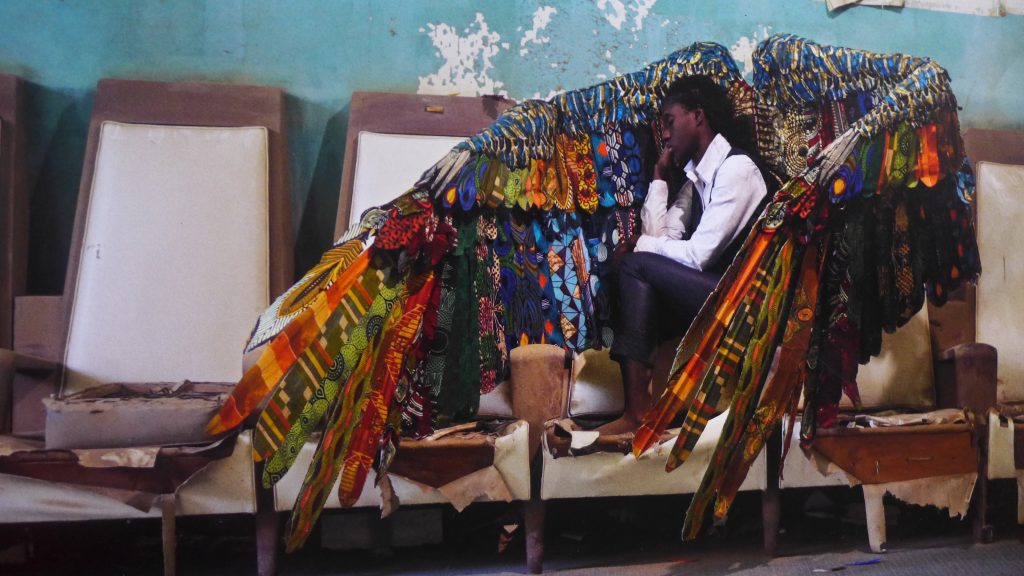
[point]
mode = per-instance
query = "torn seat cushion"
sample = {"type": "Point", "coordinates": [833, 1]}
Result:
{"type": "Point", "coordinates": [173, 268]}
{"type": "Point", "coordinates": [489, 465]}
{"type": "Point", "coordinates": [123, 415]}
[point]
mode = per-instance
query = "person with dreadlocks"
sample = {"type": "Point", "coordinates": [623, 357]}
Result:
{"type": "Point", "coordinates": [688, 236]}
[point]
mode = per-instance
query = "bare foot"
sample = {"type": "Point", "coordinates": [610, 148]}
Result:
{"type": "Point", "coordinates": [625, 425]}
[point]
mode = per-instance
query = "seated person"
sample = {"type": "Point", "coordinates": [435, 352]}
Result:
{"type": "Point", "coordinates": [687, 237]}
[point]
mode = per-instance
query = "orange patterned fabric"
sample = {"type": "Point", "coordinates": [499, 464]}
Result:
{"type": "Point", "coordinates": [282, 351]}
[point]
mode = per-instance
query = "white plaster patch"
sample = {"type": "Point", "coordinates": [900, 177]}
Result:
{"type": "Point", "coordinates": [541, 19]}
{"type": "Point", "coordinates": [616, 12]}
{"type": "Point", "coordinates": [467, 60]}
{"type": "Point", "coordinates": [641, 9]}
{"type": "Point", "coordinates": [551, 94]}
{"type": "Point", "coordinates": [743, 50]}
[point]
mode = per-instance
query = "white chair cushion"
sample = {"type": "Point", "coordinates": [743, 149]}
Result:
{"type": "Point", "coordinates": [387, 165]}
{"type": "Point", "coordinates": [174, 261]}
{"type": "Point", "coordinates": [1000, 236]}
{"type": "Point", "coordinates": [596, 388]}
{"type": "Point", "coordinates": [497, 403]}
{"type": "Point", "coordinates": [612, 474]}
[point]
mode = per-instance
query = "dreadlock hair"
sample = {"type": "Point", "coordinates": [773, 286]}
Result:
{"type": "Point", "coordinates": [699, 91]}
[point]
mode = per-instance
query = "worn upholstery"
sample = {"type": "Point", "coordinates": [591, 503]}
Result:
{"type": "Point", "coordinates": [507, 479]}
{"type": "Point", "coordinates": [614, 474]}
{"type": "Point", "coordinates": [225, 486]}
{"type": "Point", "coordinates": [175, 256]}
{"type": "Point", "coordinates": [1000, 235]}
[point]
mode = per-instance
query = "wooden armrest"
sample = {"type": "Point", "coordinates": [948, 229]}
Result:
{"type": "Point", "coordinates": [966, 378]}
{"type": "Point", "coordinates": [540, 386]}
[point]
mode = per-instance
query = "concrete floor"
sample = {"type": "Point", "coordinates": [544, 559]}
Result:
{"type": "Point", "coordinates": [822, 533]}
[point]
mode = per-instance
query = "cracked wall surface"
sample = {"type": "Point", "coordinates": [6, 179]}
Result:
{"type": "Point", "coordinates": [320, 51]}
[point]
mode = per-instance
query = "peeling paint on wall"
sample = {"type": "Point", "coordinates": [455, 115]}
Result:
{"type": "Point", "coordinates": [467, 60]}
{"type": "Point", "coordinates": [541, 19]}
{"type": "Point", "coordinates": [551, 94]}
{"type": "Point", "coordinates": [743, 50]}
{"type": "Point", "coordinates": [616, 12]}
{"type": "Point", "coordinates": [320, 63]}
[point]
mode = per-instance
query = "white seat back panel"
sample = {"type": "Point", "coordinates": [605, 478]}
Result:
{"type": "Point", "coordinates": [174, 261]}
{"type": "Point", "coordinates": [1000, 237]}
{"type": "Point", "coordinates": [388, 165]}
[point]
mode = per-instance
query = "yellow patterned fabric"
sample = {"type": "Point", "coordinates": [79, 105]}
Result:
{"type": "Point", "coordinates": [506, 241]}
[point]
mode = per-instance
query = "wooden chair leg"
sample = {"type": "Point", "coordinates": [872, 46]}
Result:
{"type": "Point", "coordinates": [267, 528]}
{"type": "Point", "coordinates": [535, 534]}
{"type": "Point", "coordinates": [984, 532]}
{"type": "Point", "coordinates": [874, 512]}
{"type": "Point", "coordinates": [770, 505]}
{"type": "Point", "coordinates": [534, 513]}
{"type": "Point", "coordinates": [1020, 497]}
{"type": "Point", "coordinates": [169, 532]}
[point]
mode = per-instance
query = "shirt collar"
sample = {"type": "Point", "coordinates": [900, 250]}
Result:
{"type": "Point", "coordinates": [703, 173]}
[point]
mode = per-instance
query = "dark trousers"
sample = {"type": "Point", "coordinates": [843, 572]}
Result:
{"type": "Point", "coordinates": [657, 299]}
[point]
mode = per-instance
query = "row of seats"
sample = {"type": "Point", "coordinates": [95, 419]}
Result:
{"type": "Point", "coordinates": [164, 283]}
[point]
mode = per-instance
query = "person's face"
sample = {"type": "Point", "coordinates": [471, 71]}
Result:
{"type": "Point", "coordinates": [679, 131]}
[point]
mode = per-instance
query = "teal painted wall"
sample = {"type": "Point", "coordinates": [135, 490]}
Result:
{"type": "Point", "coordinates": [321, 51]}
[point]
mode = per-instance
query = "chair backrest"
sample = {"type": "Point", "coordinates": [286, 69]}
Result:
{"type": "Point", "coordinates": [1000, 234]}
{"type": "Point", "coordinates": [391, 140]}
{"type": "Point", "coordinates": [13, 202]}
{"type": "Point", "coordinates": [997, 157]}
{"type": "Point", "coordinates": [389, 164]}
{"type": "Point", "coordinates": [421, 120]}
{"type": "Point", "coordinates": [182, 234]}
{"type": "Point", "coordinates": [902, 376]}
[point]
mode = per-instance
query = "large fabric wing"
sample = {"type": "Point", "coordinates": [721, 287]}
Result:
{"type": "Point", "coordinates": [506, 240]}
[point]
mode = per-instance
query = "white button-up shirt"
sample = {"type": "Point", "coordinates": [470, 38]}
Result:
{"type": "Point", "coordinates": [730, 189]}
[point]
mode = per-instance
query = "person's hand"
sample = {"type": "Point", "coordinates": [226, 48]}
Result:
{"type": "Point", "coordinates": [622, 248]}
{"type": "Point", "coordinates": [665, 164]}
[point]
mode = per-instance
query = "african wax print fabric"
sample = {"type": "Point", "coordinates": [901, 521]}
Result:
{"type": "Point", "coordinates": [506, 241]}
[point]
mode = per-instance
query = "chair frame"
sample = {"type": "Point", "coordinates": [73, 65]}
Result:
{"type": "Point", "coordinates": [388, 113]}
{"type": "Point", "coordinates": [161, 103]}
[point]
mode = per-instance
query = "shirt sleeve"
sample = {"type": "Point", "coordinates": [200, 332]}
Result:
{"type": "Point", "coordinates": [652, 214]}
{"type": "Point", "coordinates": [736, 192]}
{"type": "Point", "coordinates": [658, 219]}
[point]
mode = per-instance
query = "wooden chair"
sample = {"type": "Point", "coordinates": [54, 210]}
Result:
{"type": "Point", "coordinates": [391, 140]}
{"type": "Point", "coordinates": [998, 160]}
{"type": "Point", "coordinates": [182, 236]}
{"type": "Point", "coordinates": [936, 361]}
{"type": "Point", "coordinates": [591, 466]}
